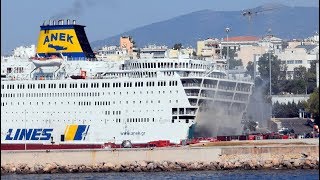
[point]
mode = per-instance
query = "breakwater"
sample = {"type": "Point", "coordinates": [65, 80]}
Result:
{"type": "Point", "coordinates": [162, 159]}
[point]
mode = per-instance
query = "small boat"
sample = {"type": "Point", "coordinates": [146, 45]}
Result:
{"type": "Point", "coordinates": [82, 75]}
{"type": "Point", "coordinates": [77, 77]}
{"type": "Point", "coordinates": [52, 60]}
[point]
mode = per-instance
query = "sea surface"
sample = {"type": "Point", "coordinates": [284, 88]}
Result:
{"type": "Point", "coordinates": [224, 174]}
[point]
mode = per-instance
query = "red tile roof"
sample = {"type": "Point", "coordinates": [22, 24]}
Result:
{"type": "Point", "coordinates": [242, 38]}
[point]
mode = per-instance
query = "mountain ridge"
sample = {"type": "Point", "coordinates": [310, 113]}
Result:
{"type": "Point", "coordinates": [202, 24]}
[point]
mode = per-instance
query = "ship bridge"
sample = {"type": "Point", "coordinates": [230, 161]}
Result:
{"type": "Point", "coordinates": [68, 38]}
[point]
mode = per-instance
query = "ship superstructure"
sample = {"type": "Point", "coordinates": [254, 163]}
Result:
{"type": "Point", "coordinates": [85, 100]}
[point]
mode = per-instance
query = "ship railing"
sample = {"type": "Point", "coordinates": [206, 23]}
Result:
{"type": "Point", "coordinates": [243, 89]}
{"type": "Point", "coordinates": [226, 88]}
{"type": "Point", "coordinates": [81, 59]}
{"type": "Point", "coordinates": [231, 78]}
{"type": "Point", "coordinates": [246, 79]}
{"type": "Point", "coordinates": [206, 95]}
{"type": "Point", "coordinates": [224, 97]}
{"type": "Point", "coordinates": [196, 74]}
{"type": "Point", "coordinates": [209, 86]}
{"type": "Point", "coordinates": [191, 85]}
{"type": "Point", "coordinates": [192, 94]}
{"type": "Point", "coordinates": [217, 76]}
{"type": "Point", "coordinates": [240, 99]}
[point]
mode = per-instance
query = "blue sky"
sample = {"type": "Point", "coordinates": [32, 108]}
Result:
{"type": "Point", "coordinates": [20, 19]}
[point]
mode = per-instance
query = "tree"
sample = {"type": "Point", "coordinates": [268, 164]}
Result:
{"type": "Point", "coordinates": [277, 71]}
{"type": "Point", "coordinates": [276, 110]}
{"type": "Point", "coordinates": [250, 69]}
{"type": "Point", "coordinates": [289, 110]}
{"type": "Point", "coordinates": [300, 73]}
{"type": "Point", "coordinates": [232, 61]}
{"type": "Point", "coordinates": [312, 105]}
{"type": "Point", "coordinates": [177, 46]}
{"type": "Point", "coordinates": [311, 77]}
{"type": "Point", "coordinates": [133, 43]}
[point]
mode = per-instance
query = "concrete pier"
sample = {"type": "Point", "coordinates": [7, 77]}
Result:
{"type": "Point", "coordinates": [258, 155]}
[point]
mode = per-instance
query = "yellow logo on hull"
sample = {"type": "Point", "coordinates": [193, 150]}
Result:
{"type": "Point", "coordinates": [76, 132]}
{"type": "Point", "coordinates": [59, 40]}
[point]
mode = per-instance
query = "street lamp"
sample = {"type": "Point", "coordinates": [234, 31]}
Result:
{"type": "Point", "coordinates": [227, 31]}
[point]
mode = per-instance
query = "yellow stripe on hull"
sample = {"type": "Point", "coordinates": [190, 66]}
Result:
{"type": "Point", "coordinates": [71, 132]}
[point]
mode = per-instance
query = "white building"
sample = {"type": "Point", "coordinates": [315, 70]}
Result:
{"type": "Point", "coordinates": [285, 99]}
{"type": "Point", "coordinates": [112, 53]}
{"type": "Point", "coordinates": [301, 55]}
{"type": "Point", "coordinates": [209, 48]}
{"type": "Point", "coordinates": [272, 42]}
{"type": "Point", "coordinates": [153, 51]}
{"type": "Point", "coordinates": [24, 51]}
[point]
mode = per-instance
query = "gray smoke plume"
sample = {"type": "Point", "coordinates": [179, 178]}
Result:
{"type": "Point", "coordinates": [78, 8]}
{"type": "Point", "coordinates": [259, 107]}
{"type": "Point", "coordinates": [218, 120]}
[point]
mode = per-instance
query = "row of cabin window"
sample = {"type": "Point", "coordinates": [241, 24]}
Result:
{"type": "Point", "coordinates": [84, 103]}
{"type": "Point", "coordinates": [51, 120]}
{"type": "Point", "coordinates": [66, 112]}
{"type": "Point", "coordinates": [87, 94]}
{"type": "Point", "coordinates": [49, 103]}
{"type": "Point", "coordinates": [75, 94]}
{"type": "Point", "coordinates": [93, 85]}
{"type": "Point", "coordinates": [118, 120]}
{"type": "Point", "coordinates": [167, 65]}
{"type": "Point", "coordinates": [132, 74]}
{"type": "Point", "coordinates": [139, 119]}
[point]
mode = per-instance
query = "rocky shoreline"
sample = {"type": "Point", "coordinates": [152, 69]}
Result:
{"type": "Point", "coordinates": [227, 162]}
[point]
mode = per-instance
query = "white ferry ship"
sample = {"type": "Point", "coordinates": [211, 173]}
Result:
{"type": "Point", "coordinates": [64, 95]}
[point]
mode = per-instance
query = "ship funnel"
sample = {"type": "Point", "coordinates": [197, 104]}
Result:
{"type": "Point", "coordinates": [49, 22]}
{"type": "Point", "coordinates": [71, 41]}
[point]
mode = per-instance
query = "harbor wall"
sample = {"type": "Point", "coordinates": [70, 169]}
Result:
{"type": "Point", "coordinates": [162, 159]}
{"type": "Point", "coordinates": [88, 157]}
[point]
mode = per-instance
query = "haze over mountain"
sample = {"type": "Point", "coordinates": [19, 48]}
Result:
{"type": "Point", "coordinates": [285, 22]}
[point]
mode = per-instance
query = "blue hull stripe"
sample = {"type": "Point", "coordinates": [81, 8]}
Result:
{"type": "Point", "coordinates": [80, 131]}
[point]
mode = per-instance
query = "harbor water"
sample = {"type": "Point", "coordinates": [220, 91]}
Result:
{"type": "Point", "coordinates": [225, 174]}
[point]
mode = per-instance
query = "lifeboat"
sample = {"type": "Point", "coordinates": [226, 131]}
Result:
{"type": "Point", "coordinates": [83, 75]}
{"type": "Point", "coordinates": [47, 61]}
